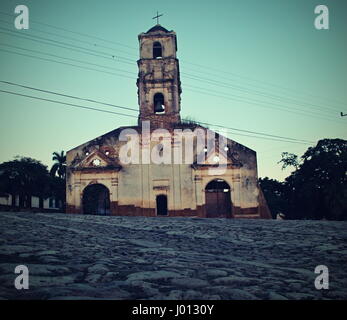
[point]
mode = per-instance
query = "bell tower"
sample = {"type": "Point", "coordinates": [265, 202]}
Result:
{"type": "Point", "coordinates": [158, 82]}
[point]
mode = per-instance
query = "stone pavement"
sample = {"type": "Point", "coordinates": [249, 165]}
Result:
{"type": "Point", "coordinates": [95, 257]}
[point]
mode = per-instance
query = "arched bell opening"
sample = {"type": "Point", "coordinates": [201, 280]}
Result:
{"type": "Point", "coordinates": [159, 103]}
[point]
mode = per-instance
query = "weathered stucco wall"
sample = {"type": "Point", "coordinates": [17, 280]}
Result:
{"type": "Point", "coordinates": [133, 188]}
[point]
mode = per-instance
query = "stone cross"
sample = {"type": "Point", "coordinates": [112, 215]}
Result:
{"type": "Point", "coordinates": [157, 17]}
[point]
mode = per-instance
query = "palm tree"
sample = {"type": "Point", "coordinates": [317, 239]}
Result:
{"type": "Point", "coordinates": [59, 167]}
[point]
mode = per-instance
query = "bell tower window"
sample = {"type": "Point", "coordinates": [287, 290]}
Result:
{"type": "Point", "coordinates": [157, 50]}
{"type": "Point", "coordinates": [159, 107]}
{"type": "Point", "coordinates": [158, 82]}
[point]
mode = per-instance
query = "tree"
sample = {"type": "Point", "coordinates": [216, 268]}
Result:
{"type": "Point", "coordinates": [59, 167]}
{"type": "Point", "coordinates": [24, 177]}
{"type": "Point", "coordinates": [58, 189]}
{"type": "Point", "coordinates": [289, 159]}
{"type": "Point", "coordinates": [274, 194]}
{"type": "Point", "coordinates": [317, 189]}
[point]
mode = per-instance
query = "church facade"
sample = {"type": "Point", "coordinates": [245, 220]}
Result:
{"type": "Point", "coordinates": [163, 166]}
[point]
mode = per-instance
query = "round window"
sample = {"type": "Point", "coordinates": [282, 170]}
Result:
{"type": "Point", "coordinates": [96, 162]}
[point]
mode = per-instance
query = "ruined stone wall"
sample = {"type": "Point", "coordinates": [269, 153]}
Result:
{"type": "Point", "coordinates": [133, 188]}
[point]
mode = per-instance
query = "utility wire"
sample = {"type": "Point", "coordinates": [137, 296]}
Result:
{"type": "Point", "coordinates": [96, 70]}
{"type": "Point", "coordinates": [195, 64]}
{"type": "Point", "coordinates": [260, 103]}
{"type": "Point", "coordinates": [67, 96]}
{"type": "Point", "coordinates": [65, 63]}
{"type": "Point", "coordinates": [106, 54]}
{"type": "Point", "coordinates": [78, 33]}
{"type": "Point", "coordinates": [205, 91]}
{"type": "Point", "coordinates": [262, 86]}
{"type": "Point", "coordinates": [85, 51]}
{"type": "Point", "coordinates": [194, 78]}
{"type": "Point", "coordinates": [67, 104]}
{"type": "Point", "coordinates": [70, 59]}
{"type": "Point", "coordinates": [259, 93]}
{"type": "Point", "coordinates": [268, 136]}
{"type": "Point", "coordinates": [254, 132]}
{"type": "Point", "coordinates": [74, 39]}
{"type": "Point", "coordinates": [264, 82]}
{"type": "Point", "coordinates": [265, 138]}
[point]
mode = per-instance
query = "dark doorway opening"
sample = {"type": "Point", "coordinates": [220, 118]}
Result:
{"type": "Point", "coordinates": [218, 200]}
{"type": "Point", "coordinates": [161, 205]}
{"type": "Point", "coordinates": [96, 200]}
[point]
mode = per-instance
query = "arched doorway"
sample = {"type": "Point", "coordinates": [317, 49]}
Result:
{"type": "Point", "coordinates": [96, 200]}
{"type": "Point", "coordinates": [161, 202]}
{"type": "Point", "coordinates": [218, 200]}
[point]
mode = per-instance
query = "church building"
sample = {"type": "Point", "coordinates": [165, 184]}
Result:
{"type": "Point", "coordinates": [142, 170]}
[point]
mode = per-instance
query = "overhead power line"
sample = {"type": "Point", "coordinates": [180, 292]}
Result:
{"type": "Point", "coordinates": [258, 103]}
{"type": "Point", "coordinates": [209, 81]}
{"type": "Point", "coordinates": [75, 32]}
{"type": "Point", "coordinates": [67, 96]}
{"type": "Point", "coordinates": [262, 82]}
{"type": "Point", "coordinates": [260, 134]}
{"type": "Point", "coordinates": [262, 85]}
{"type": "Point", "coordinates": [70, 59]}
{"type": "Point", "coordinates": [93, 44]}
{"type": "Point", "coordinates": [104, 54]}
{"type": "Point", "coordinates": [254, 132]}
{"type": "Point", "coordinates": [67, 104]}
{"type": "Point", "coordinates": [204, 90]}
{"type": "Point", "coordinates": [207, 90]}
{"type": "Point", "coordinates": [266, 138]}
{"type": "Point", "coordinates": [65, 63]}
{"type": "Point", "coordinates": [258, 93]}
{"type": "Point", "coordinates": [191, 63]}
{"type": "Point", "coordinates": [84, 51]}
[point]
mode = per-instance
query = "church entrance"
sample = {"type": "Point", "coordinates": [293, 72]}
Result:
{"type": "Point", "coordinates": [162, 205]}
{"type": "Point", "coordinates": [96, 200]}
{"type": "Point", "coordinates": [218, 200]}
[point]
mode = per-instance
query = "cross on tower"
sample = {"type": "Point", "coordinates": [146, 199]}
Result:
{"type": "Point", "coordinates": [157, 17]}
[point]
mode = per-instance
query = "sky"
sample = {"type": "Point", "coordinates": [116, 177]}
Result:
{"type": "Point", "coordinates": [252, 65]}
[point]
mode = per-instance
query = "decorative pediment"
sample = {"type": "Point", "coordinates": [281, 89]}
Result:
{"type": "Point", "coordinates": [96, 160]}
{"type": "Point", "coordinates": [215, 159]}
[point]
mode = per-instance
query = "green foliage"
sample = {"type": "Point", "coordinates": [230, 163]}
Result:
{"type": "Point", "coordinates": [28, 177]}
{"type": "Point", "coordinates": [24, 176]}
{"type": "Point", "coordinates": [58, 189]}
{"type": "Point", "coordinates": [289, 159]}
{"type": "Point", "coordinates": [59, 167]}
{"type": "Point", "coordinates": [317, 189]}
{"type": "Point", "coordinates": [274, 193]}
